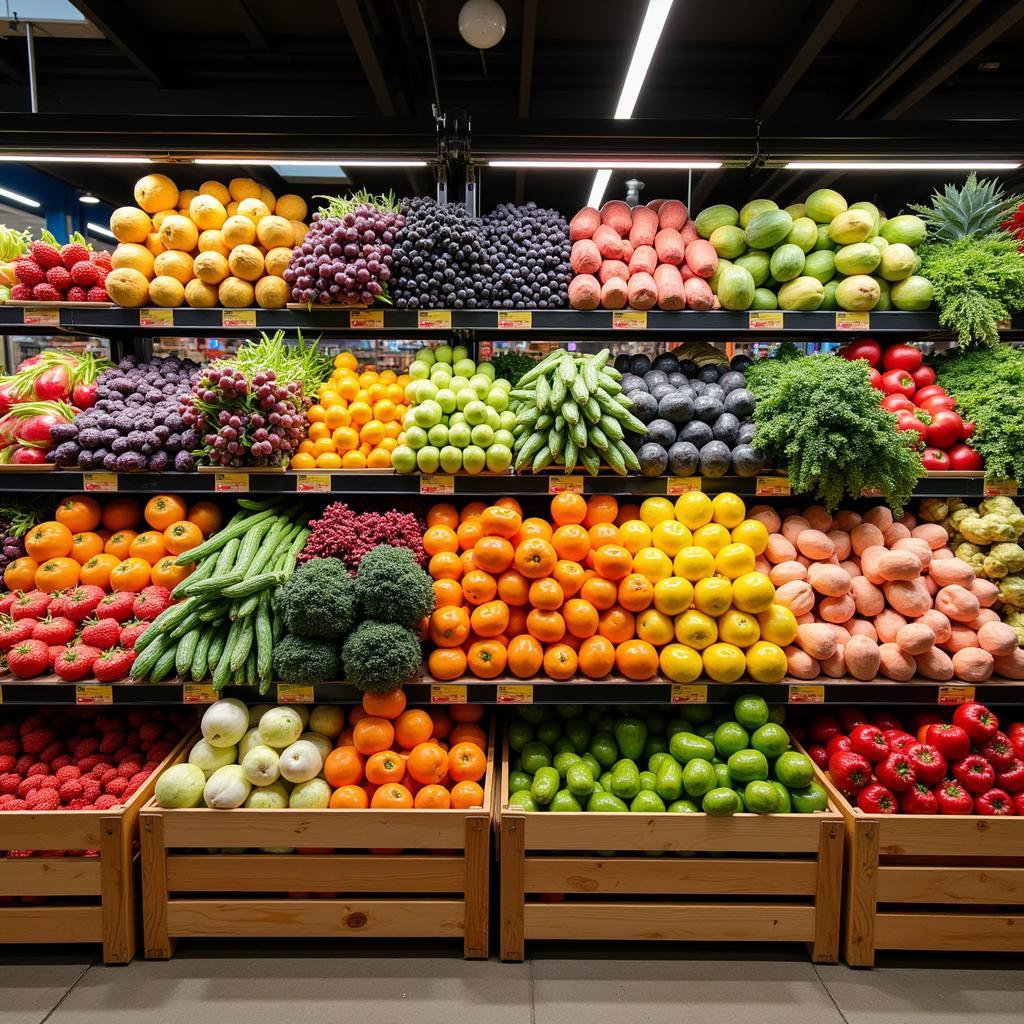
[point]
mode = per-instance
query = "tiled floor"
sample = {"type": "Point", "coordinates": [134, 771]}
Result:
{"type": "Point", "coordinates": [222, 985]}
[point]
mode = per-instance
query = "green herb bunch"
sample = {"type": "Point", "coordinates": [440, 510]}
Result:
{"type": "Point", "coordinates": [820, 415]}
{"type": "Point", "coordinates": [511, 366]}
{"type": "Point", "coordinates": [301, 362]}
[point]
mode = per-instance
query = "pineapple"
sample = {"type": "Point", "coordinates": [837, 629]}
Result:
{"type": "Point", "coordinates": [978, 208]}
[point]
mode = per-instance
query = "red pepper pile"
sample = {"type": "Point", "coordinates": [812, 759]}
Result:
{"type": "Point", "coordinates": [966, 766]}
{"type": "Point", "coordinates": [919, 403]}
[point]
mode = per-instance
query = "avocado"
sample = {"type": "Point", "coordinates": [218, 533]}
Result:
{"type": "Point", "coordinates": [677, 378]}
{"type": "Point", "coordinates": [725, 428]}
{"type": "Point", "coordinates": [697, 387]}
{"type": "Point", "coordinates": [666, 362]}
{"type": "Point", "coordinates": [653, 459]}
{"type": "Point", "coordinates": [747, 460]}
{"type": "Point", "coordinates": [683, 458]}
{"type": "Point", "coordinates": [697, 432]}
{"type": "Point", "coordinates": [631, 382]}
{"type": "Point", "coordinates": [746, 432]}
{"type": "Point", "coordinates": [652, 377]}
{"type": "Point", "coordinates": [689, 367]}
{"type": "Point", "coordinates": [738, 362]}
{"type": "Point", "coordinates": [639, 365]}
{"type": "Point", "coordinates": [621, 363]}
{"type": "Point", "coordinates": [707, 408]}
{"type": "Point", "coordinates": [714, 459]}
{"type": "Point", "coordinates": [740, 402]}
{"type": "Point", "coordinates": [709, 374]}
{"type": "Point", "coordinates": [676, 407]}
{"type": "Point", "coordinates": [731, 381]}
{"type": "Point", "coordinates": [659, 391]}
{"type": "Point", "coordinates": [714, 391]}
{"type": "Point", "coordinates": [661, 432]}
{"type": "Point", "coordinates": [645, 407]}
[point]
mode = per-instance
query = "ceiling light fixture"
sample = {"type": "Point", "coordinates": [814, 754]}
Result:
{"type": "Point", "coordinates": [901, 165]}
{"type": "Point", "coordinates": [17, 197]}
{"type": "Point", "coordinates": [482, 23]}
{"type": "Point", "coordinates": [625, 165]}
{"type": "Point", "coordinates": [643, 53]}
{"type": "Point", "coordinates": [99, 229]}
{"type": "Point", "coordinates": [88, 198]}
{"type": "Point", "coordinates": [242, 161]}
{"type": "Point", "coordinates": [36, 158]}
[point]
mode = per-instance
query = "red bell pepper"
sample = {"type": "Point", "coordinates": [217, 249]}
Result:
{"type": "Point", "coordinates": [901, 357]}
{"type": "Point", "coordinates": [945, 429]}
{"type": "Point", "coordinates": [876, 799]}
{"type": "Point", "coordinates": [884, 719]}
{"type": "Point", "coordinates": [824, 726]}
{"type": "Point", "coordinates": [869, 742]}
{"type": "Point", "coordinates": [838, 744]}
{"type": "Point", "coordinates": [849, 771]}
{"type": "Point", "coordinates": [913, 420]}
{"type": "Point", "coordinates": [953, 798]}
{"type": "Point", "coordinates": [923, 376]}
{"type": "Point", "coordinates": [865, 348]}
{"type": "Point", "coordinates": [1011, 778]}
{"type": "Point", "coordinates": [897, 403]}
{"type": "Point", "coordinates": [962, 457]}
{"type": "Point", "coordinates": [977, 721]}
{"type": "Point", "coordinates": [850, 717]}
{"type": "Point", "coordinates": [974, 773]}
{"type": "Point", "coordinates": [951, 741]}
{"type": "Point", "coordinates": [998, 752]}
{"type": "Point", "coordinates": [898, 739]}
{"type": "Point", "coordinates": [819, 755]}
{"type": "Point", "coordinates": [919, 799]}
{"type": "Point", "coordinates": [928, 764]}
{"type": "Point", "coordinates": [898, 382]}
{"type": "Point", "coordinates": [935, 459]}
{"type": "Point", "coordinates": [928, 391]}
{"type": "Point", "coordinates": [994, 803]}
{"type": "Point", "coordinates": [937, 403]}
{"type": "Point", "coordinates": [896, 772]}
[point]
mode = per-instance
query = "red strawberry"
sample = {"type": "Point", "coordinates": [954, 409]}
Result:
{"type": "Point", "coordinates": [97, 293]}
{"type": "Point", "coordinates": [44, 254]}
{"type": "Point", "coordinates": [56, 650]}
{"type": "Point", "coordinates": [116, 606]}
{"type": "Point", "coordinates": [28, 272]}
{"type": "Point", "coordinates": [75, 294]}
{"type": "Point", "coordinates": [46, 292]}
{"type": "Point", "coordinates": [54, 631]}
{"type": "Point", "coordinates": [21, 293]}
{"type": "Point", "coordinates": [15, 632]}
{"type": "Point", "coordinates": [84, 273]}
{"type": "Point", "coordinates": [151, 601]}
{"type": "Point", "coordinates": [7, 601]}
{"type": "Point", "coordinates": [101, 258]}
{"type": "Point", "coordinates": [77, 604]}
{"type": "Point", "coordinates": [59, 277]}
{"type": "Point", "coordinates": [130, 632]}
{"type": "Point", "coordinates": [30, 605]}
{"type": "Point", "coordinates": [73, 253]}
{"type": "Point", "coordinates": [103, 633]}
{"type": "Point", "coordinates": [76, 662]}
{"type": "Point", "coordinates": [113, 665]}
{"type": "Point", "coordinates": [27, 659]}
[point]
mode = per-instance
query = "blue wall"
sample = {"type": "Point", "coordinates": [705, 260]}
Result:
{"type": "Point", "coordinates": [60, 201]}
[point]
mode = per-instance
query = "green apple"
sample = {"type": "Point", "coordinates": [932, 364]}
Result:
{"type": "Point", "coordinates": [410, 392]}
{"type": "Point", "coordinates": [427, 459]}
{"type": "Point", "coordinates": [480, 384]}
{"type": "Point", "coordinates": [440, 375]}
{"type": "Point", "coordinates": [497, 399]}
{"type": "Point", "coordinates": [504, 437]}
{"type": "Point", "coordinates": [464, 396]}
{"type": "Point", "coordinates": [425, 355]}
{"type": "Point", "coordinates": [451, 459]}
{"type": "Point", "coordinates": [457, 383]}
{"type": "Point", "coordinates": [473, 459]}
{"type": "Point", "coordinates": [425, 391]}
{"type": "Point", "coordinates": [403, 458]}
{"type": "Point", "coordinates": [459, 352]}
{"type": "Point", "coordinates": [446, 399]}
{"type": "Point", "coordinates": [487, 369]}
{"type": "Point", "coordinates": [416, 438]}
{"type": "Point", "coordinates": [508, 420]}
{"type": "Point", "coordinates": [483, 435]}
{"type": "Point", "coordinates": [475, 412]}
{"type": "Point", "coordinates": [419, 370]}
{"type": "Point", "coordinates": [504, 385]}
{"type": "Point", "coordinates": [459, 434]}
{"type": "Point", "coordinates": [427, 414]}
{"type": "Point", "coordinates": [443, 353]}
{"type": "Point", "coordinates": [464, 367]}
{"type": "Point", "coordinates": [499, 457]}
{"type": "Point", "coordinates": [493, 420]}
{"type": "Point", "coordinates": [456, 417]}
{"type": "Point", "coordinates": [438, 435]}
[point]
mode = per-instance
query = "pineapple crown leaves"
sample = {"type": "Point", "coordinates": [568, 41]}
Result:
{"type": "Point", "coordinates": [976, 209]}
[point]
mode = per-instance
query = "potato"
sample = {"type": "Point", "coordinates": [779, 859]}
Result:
{"type": "Point", "coordinates": [1009, 666]}
{"type": "Point", "coordinates": [672, 214]}
{"type": "Point", "coordinates": [616, 215]}
{"type": "Point", "coordinates": [934, 535]}
{"type": "Point", "coordinates": [762, 565]}
{"type": "Point", "coordinates": [584, 224]}
{"type": "Point", "coordinates": [935, 664]}
{"type": "Point", "coordinates": [829, 580]}
{"type": "Point", "coordinates": [880, 516]}
{"type": "Point", "coordinates": [861, 655]}
{"type": "Point", "coordinates": [627, 250]}
{"type": "Point", "coordinates": [671, 294]}
{"type": "Point", "coordinates": [802, 666]}
{"type": "Point", "coordinates": [701, 257]}
{"type": "Point", "coordinates": [643, 292]}
{"type": "Point", "coordinates": [699, 295]}
{"type": "Point", "coordinates": [585, 257]}
{"type": "Point", "coordinates": [871, 560]}
{"type": "Point", "coordinates": [895, 532]}
{"type": "Point", "coordinates": [846, 520]}
{"type": "Point", "coordinates": [614, 293]}
{"type": "Point", "coordinates": [957, 603]}
{"type": "Point", "coordinates": [584, 292]}
{"type": "Point", "coordinates": [959, 638]}
{"type": "Point", "coordinates": [644, 226]}
{"type": "Point", "coordinates": [793, 526]}
{"type": "Point", "coordinates": [852, 566]}
{"type": "Point", "coordinates": [894, 664]}
{"type": "Point", "coordinates": [609, 243]}
{"type": "Point", "coordinates": [815, 544]}
{"type": "Point", "coordinates": [908, 597]}
{"type": "Point", "coordinates": [686, 273]}
{"type": "Point", "coordinates": [951, 570]}
{"type": "Point", "coordinates": [835, 667]}
{"type": "Point", "coordinates": [796, 595]}
{"type": "Point", "coordinates": [915, 638]}
{"type": "Point", "coordinates": [887, 624]}
{"type": "Point", "coordinates": [973, 664]}
{"type": "Point", "coordinates": [842, 633]}
{"type": "Point", "coordinates": [837, 610]}
{"type": "Point", "coordinates": [840, 542]}
{"type": "Point", "coordinates": [817, 639]}
{"type": "Point", "coordinates": [688, 233]}
{"type": "Point", "coordinates": [644, 260]}
{"type": "Point", "coordinates": [865, 535]}
{"type": "Point", "coordinates": [818, 517]}
{"type": "Point", "coordinates": [783, 572]}
{"type": "Point", "coordinates": [899, 565]}
{"type": "Point", "coordinates": [868, 598]}
{"type": "Point", "coordinates": [779, 549]}
{"type": "Point", "coordinates": [613, 268]}
{"type": "Point", "coordinates": [861, 627]}
{"type": "Point", "coordinates": [985, 591]}
{"type": "Point", "coordinates": [656, 204]}
{"type": "Point", "coordinates": [938, 623]}
{"type": "Point", "coordinates": [766, 516]}
{"type": "Point", "coordinates": [670, 247]}
{"type": "Point", "coordinates": [919, 548]}
{"type": "Point", "coordinates": [997, 638]}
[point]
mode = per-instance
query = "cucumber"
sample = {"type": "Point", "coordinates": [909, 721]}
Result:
{"type": "Point", "coordinates": [216, 648]}
{"type": "Point", "coordinates": [186, 651]}
{"type": "Point", "coordinates": [592, 411]}
{"type": "Point", "coordinates": [203, 572]}
{"type": "Point", "coordinates": [197, 670]}
{"type": "Point", "coordinates": [567, 369]}
{"type": "Point", "coordinates": [571, 452]}
{"type": "Point", "coordinates": [529, 449]}
{"type": "Point", "coordinates": [264, 640]}
{"type": "Point", "coordinates": [166, 621]}
{"type": "Point", "coordinates": [222, 673]}
{"type": "Point", "coordinates": [571, 411]}
{"type": "Point", "coordinates": [146, 661]}
{"type": "Point", "coordinates": [540, 369]}
{"type": "Point", "coordinates": [591, 460]}
{"type": "Point", "coordinates": [218, 540]}
{"type": "Point", "coordinates": [598, 439]}
{"type": "Point", "coordinates": [542, 458]}
{"type": "Point", "coordinates": [254, 584]}
{"type": "Point", "coordinates": [628, 455]}
{"type": "Point", "coordinates": [580, 392]}
{"type": "Point", "coordinates": [543, 394]}
{"type": "Point", "coordinates": [558, 393]}
{"type": "Point", "coordinates": [590, 375]}
{"type": "Point", "coordinates": [578, 432]}
{"type": "Point", "coordinates": [556, 439]}
{"type": "Point", "coordinates": [243, 642]}
{"type": "Point", "coordinates": [164, 666]}
{"type": "Point", "coordinates": [187, 624]}
{"type": "Point", "coordinates": [611, 427]}
{"type": "Point", "coordinates": [613, 456]}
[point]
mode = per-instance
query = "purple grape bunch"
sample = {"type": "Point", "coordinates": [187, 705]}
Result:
{"type": "Point", "coordinates": [346, 258]}
{"type": "Point", "coordinates": [11, 545]}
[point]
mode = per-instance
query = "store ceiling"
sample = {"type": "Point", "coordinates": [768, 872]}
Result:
{"type": "Point", "coordinates": [818, 60]}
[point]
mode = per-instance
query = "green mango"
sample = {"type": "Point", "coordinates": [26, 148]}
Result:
{"type": "Point", "coordinates": [771, 739]}
{"type": "Point", "coordinates": [564, 760]}
{"type": "Point", "coordinates": [595, 766]}
{"type": "Point", "coordinates": [809, 799]}
{"type": "Point", "coordinates": [570, 710]}
{"type": "Point", "coordinates": [761, 797]}
{"type": "Point", "coordinates": [604, 748]}
{"type": "Point", "coordinates": [655, 761]}
{"type": "Point", "coordinates": [535, 756]}
{"type": "Point", "coordinates": [669, 779]}
{"type": "Point", "coordinates": [685, 746]}
{"type": "Point", "coordinates": [683, 807]}
{"type": "Point", "coordinates": [524, 800]}
{"type": "Point", "coordinates": [730, 737]}
{"type": "Point", "coordinates": [579, 779]}
{"type": "Point", "coordinates": [748, 766]}
{"type": "Point", "coordinates": [605, 781]}
{"type": "Point", "coordinates": [546, 783]}
{"type": "Point", "coordinates": [647, 802]}
{"type": "Point", "coordinates": [750, 710]}
{"type": "Point", "coordinates": [550, 732]}
{"type": "Point", "coordinates": [563, 802]}
{"type": "Point", "coordinates": [794, 770]}
{"type": "Point", "coordinates": [563, 746]}
{"type": "Point", "coordinates": [518, 781]}
{"type": "Point", "coordinates": [647, 780]}
{"type": "Point", "coordinates": [578, 733]}
{"type": "Point", "coordinates": [720, 803]}
{"type": "Point", "coordinates": [699, 777]}
{"type": "Point", "coordinates": [722, 776]}
{"type": "Point", "coordinates": [519, 734]}
{"type": "Point", "coordinates": [607, 803]}
{"type": "Point", "coordinates": [625, 781]}
{"type": "Point", "coordinates": [631, 735]}
{"type": "Point", "coordinates": [654, 745]}
{"type": "Point", "coordinates": [785, 805]}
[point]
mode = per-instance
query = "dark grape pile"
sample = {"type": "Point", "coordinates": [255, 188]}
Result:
{"type": "Point", "coordinates": [516, 257]}
{"type": "Point", "coordinates": [11, 546]}
{"type": "Point", "coordinates": [242, 422]}
{"type": "Point", "coordinates": [344, 259]}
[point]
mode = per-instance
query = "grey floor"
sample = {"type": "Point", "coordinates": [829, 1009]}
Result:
{"type": "Point", "coordinates": [233, 985]}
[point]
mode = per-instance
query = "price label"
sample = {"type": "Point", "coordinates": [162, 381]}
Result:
{"type": "Point", "coordinates": [294, 693]}
{"type": "Point", "coordinates": [99, 481]}
{"type": "Point", "coordinates": [1, 695]}
{"type": "Point", "coordinates": [434, 320]}
{"type": "Point", "coordinates": [772, 486]}
{"type": "Point", "coordinates": [198, 693]}
{"type": "Point", "coordinates": [565, 485]}
{"type": "Point", "coordinates": [515, 320]}
{"type": "Point", "coordinates": [313, 483]}
{"type": "Point", "coordinates": [997, 488]}
{"type": "Point", "coordinates": [515, 694]}
{"type": "Point", "coordinates": [799, 694]}
{"type": "Point", "coordinates": [156, 317]}
{"type": "Point", "coordinates": [682, 485]}
{"type": "Point", "coordinates": [853, 321]}
{"type": "Point", "coordinates": [689, 693]}
{"type": "Point", "coordinates": [629, 320]}
{"type": "Point", "coordinates": [956, 694]}
{"type": "Point", "coordinates": [41, 316]}
{"type": "Point", "coordinates": [238, 318]}
{"type": "Point", "coordinates": [1004, 325]}
{"type": "Point", "coordinates": [871, 492]}
{"type": "Point", "coordinates": [366, 319]}
{"type": "Point", "coordinates": [93, 693]}
{"type": "Point", "coordinates": [437, 484]}
{"type": "Point", "coordinates": [764, 320]}
{"type": "Point", "coordinates": [231, 483]}
{"type": "Point", "coordinates": [447, 693]}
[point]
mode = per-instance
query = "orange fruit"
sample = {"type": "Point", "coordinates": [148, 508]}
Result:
{"type": "Point", "coordinates": [413, 727]}
{"type": "Point", "coordinates": [613, 562]}
{"type": "Point", "coordinates": [601, 593]}
{"type": "Point", "coordinates": [560, 661]}
{"type": "Point", "coordinates": [443, 514]}
{"type": "Point", "coordinates": [581, 618]}
{"type": "Point", "coordinates": [440, 538]}
{"type": "Point", "coordinates": [571, 541]}
{"type": "Point", "coordinates": [568, 508]}
{"type": "Point", "coordinates": [371, 735]}
{"type": "Point", "coordinates": [601, 508]}
{"type": "Point", "coordinates": [384, 705]}
{"type": "Point", "coordinates": [467, 794]}
{"type": "Point", "coordinates": [596, 657]}
{"type": "Point", "coordinates": [546, 594]}
{"type": "Point", "coordinates": [569, 575]}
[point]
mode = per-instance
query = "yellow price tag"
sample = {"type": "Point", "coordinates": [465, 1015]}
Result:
{"type": "Point", "coordinates": [198, 693]}
{"type": "Point", "coordinates": [313, 483]}
{"type": "Point", "coordinates": [41, 316]}
{"type": "Point", "coordinates": [230, 483]}
{"type": "Point", "coordinates": [1000, 488]}
{"type": "Point", "coordinates": [434, 320]}
{"type": "Point", "coordinates": [764, 320]}
{"type": "Point", "coordinates": [1, 695]}
{"type": "Point", "coordinates": [682, 485]}
{"type": "Point", "coordinates": [238, 318]}
{"type": "Point", "coordinates": [846, 321]}
{"type": "Point", "coordinates": [515, 694]}
{"type": "Point", "coordinates": [156, 317]}
{"type": "Point", "coordinates": [772, 486]}
{"type": "Point", "coordinates": [366, 319]}
{"type": "Point", "coordinates": [447, 693]}
{"type": "Point", "coordinates": [99, 481]}
{"type": "Point", "coordinates": [515, 320]}
{"type": "Point", "coordinates": [94, 693]}
{"type": "Point", "coordinates": [565, 485]}
{"type": "Point", "coordinates": [629, 320]}
{"type": "Point", "coordinates": [956, 694]}
{"type": "Point", "coordinates": [799, 694]}
{"type": "Point", "coordinates": [294, 693]}
{"type": "Point", "coordinates": [436, 484]}
{"type": "Point", "coordinates": [871, 492]}
{"type": "Point", "coordinates": [689, 693]}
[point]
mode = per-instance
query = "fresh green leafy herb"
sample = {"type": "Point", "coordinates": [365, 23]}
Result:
{"type": "Point", "coordinates": [301, 362]}
{"type": "Point", "coordinates": [511, 366]}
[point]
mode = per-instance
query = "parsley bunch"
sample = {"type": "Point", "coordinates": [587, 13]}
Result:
{"type": "Point", "coordinates": [820, 415]}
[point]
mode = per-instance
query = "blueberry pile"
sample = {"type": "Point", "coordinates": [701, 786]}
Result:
{"type": "Point", "coordinates": [700, 419]}
{"type": "Point", "coordinates": [135, 425]}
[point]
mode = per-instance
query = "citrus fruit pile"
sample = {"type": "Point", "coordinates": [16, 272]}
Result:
{"type": "Point", "coordinates": [357, 419]}
{"type": "Point", "coordinates": [597, 589]}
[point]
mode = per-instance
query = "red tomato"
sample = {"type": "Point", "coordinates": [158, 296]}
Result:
{"type": "Point", "coordinates": [927, 391]}
{"type": "Point", "coordinates": [864, 348]}
{"type": "Point", "coordinates": [898, 382]}
{"type": "Point", "coordinates": [945, 429]}
{"type": "Point", "coordinates": [924, 376]}
{"type": "Point", "coordinates": [906, 420]}
{"type": "Point", "coordinates": [962, 457]}
{"type": "Point", "coordinates": [934, 458]}
{"type": "Point", "coordinates": [901, 357]}
{"type": "Point", "coordinates": [936, 403]}
{"type": "Point", "coordinates": [875, 377]}
{"type": "Point", "coordinates": [969, 429]}
{"type": "Point", "coordinates": [894, 403]}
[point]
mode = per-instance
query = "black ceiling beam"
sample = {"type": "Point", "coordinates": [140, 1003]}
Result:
{"type": "Point", "coordinates": [7, 66]}
{"type": "Point", "coordinates": [824, 20]}
{"type": "Point", "coordinates": [368, 59]}
{"type": "Point", "coordinates": [249, 26]}
{"type": "Point", "coordinates": [110, 19]}
{"type": "Point", "coordinates": [526, 77]}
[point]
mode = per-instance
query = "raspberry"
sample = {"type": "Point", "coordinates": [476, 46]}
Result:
{"type": "Point", "coordinates": [9, 783]}
{"type": "Point", "coordinates": [109, 775]}
{"type": "Point", "coordinates": [67, 773]}
{"type": "Point", "coordinates": [97, 293]}
{"type": "Point", "coordinates": [21, 293]}
{"type": "Point", "coordinates": [111, 742]}
{"type": "Point", "coordinates": [150, 731]}
{"type": "Point", "coordinates": [129, 752]}
{"type": "Point", "coordinates": [70, 790]}
{"type": "Point", "coordinates": [100, 769]}
{"type": "Point", "coordinates": [24, 763]}
{"type": "Point", "coordinates": [8, 731]}
{"type": "Point", "coordinates": [72, 254]}
{"type": "Point", "coordinates": [17, 805]}
{"type": "Point", "coordinates": [52, 751]}
{"type": "Point", "coordinates": [88, 745]}
{"type": "Point", "coordinates": [116, 787]}
{"type": "Point", "coordinates": [7, 763]}
{"type": "Point", "coordinates": [38, 770]}
{"type": "Point", "coordinates": [101, 257]}
{"type": "Point", "coordinates": [45, 292]}
{"type": "Point", "coordinates": [10, 747]}
{"type": "Point", "coordinates": [126, 769]}
{"type": "Point", "coordinates": [91, 789]}
{"type": "Point", "coordinates": [59, 278]}
{"type": "Point", "coordinates": [43, 800]}
{"type": "Point", "coordinates": [37, 741]}
{"type": "Point", "coordinates": [104, 803]}
{"type": "Point", "coordinates": [30, 724]}
{"type": "Point", "coordinates": [64, 761]}
{"type": "Point", "coordinates": [160, 750]}
{"type": "Point", "coordinates": [75, 294]}
{"type": "Point", "coordinates": [49, 782]}
{"type": "Point", "coordinates": [26, 786]}
{"type": "Point", "coordinates": [140, 776]}
{"type": "Point", "coordinates": [28, 272]}
{"type": "Point", "coordinates": [78, 804]}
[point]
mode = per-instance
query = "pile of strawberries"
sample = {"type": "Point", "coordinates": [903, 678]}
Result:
{"type": "Point", "coordinates": [76, 633]}
{"type": "Point", "coordinates": [69, 274]}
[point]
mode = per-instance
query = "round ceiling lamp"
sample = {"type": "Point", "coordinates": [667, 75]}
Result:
{"type": "Point", "coordinates": [482, 23]}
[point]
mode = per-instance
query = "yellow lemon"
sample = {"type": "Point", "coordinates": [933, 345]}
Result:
{"type": "Point", "coordinates": [778, 624]}
{"type": "Point", "coordinates": [255, 209]}
{"type": "Point", "coordinates": [653, 564]}
{"type": "Point", "coordinates": [235, 293]}
{"type": "Point", "coordinates": [713, 595]}
{"type": "Point", "coordinates": [272, 292]}
{"type": "Point", "coordinates": [655, 510]}
{"type": "Point", "coordinates": [633, 534]}
{"type": "Point", "coordinates": [166, 291]}
{"type": "Point", "coordinates": [766, 662]}
{"type": "Point", "coordinates": [153, 243]}
{"type": "Point", "coordinates": [127, 286]}
{"type": "Point", "coordinates": [207, 212]}
{"type": "Point", "coordinates": [210, 267]}
{"type": "Point", "coordinates": [243, 188]}
{"type": "Point", "coordinates": [752, 533]}
{"type": "Point", "coordinates": [268, 197]}
{"type": "Point", "coordinates": [739, 628]}
{"type": "Point", "coordinates": [291, 207]}
{"type": "Point", "coordinates": [130, 224]}
{"type": "Point", "coordinates": [200, 295]}
{"type": "Point", "coordinates": [217, 190]}
{"type": "Point", "coordinates": [728, 510]}
{"type": "Point", "coordinates": [711, 536]}
{"type": "Point", "coordinates": [696, 630]}
{"type": "Point", "coordinates": [673, 595]}
{"type": "Point", "coordinates": [185, 197]}
{"type": "Point", "coordinates": [275, 231]}
{"type": "Point", "coordinates": [655, 627]}
{"type": "Point", "coordinates": [238, 231]}
{"type": "Point", "coordinates": [300, 230]}
{"type": "Point", "coordinates": [753, 592]}
{"type": "Point", "coordinates": [680, 663]}
{"type": "Point", "coordinates": [693, 509]}
{"type": "Point", "coordinates": [177, 232]}
{"type": "Point", "coordinates": [131, 256]}
{"type": "Point", "coordinates": [734, 560]}
{"type": "Point", "coordinates": [246, 262]}
{"type": "Point", "coordinates": [276, 262]}
{"type": "Point", "coordinates": [671, 536]}
{"type": "Point", "coordinates": [694, 564]}
{"type": "Point", "coordinates": [724, 663]}
{"type": "Point", "coordinates": [174, 263]}
{"type": "Point", "coordinates": [213, 241]}
{"type": "Point", "coordinates": [156, 192]}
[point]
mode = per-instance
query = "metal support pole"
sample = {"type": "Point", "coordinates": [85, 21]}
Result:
{"type": "Point", "coordinates": [30, 43]}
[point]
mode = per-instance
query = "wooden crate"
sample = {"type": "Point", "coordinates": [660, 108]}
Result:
{"type": "Point", "coordinates": [88, 899]}
{"type": "Point", "coordinates": [778, 879]}
{"type": "Point", "coordinates": [930, 882]}
{"type": "Point", "coordinates": [428, 879]}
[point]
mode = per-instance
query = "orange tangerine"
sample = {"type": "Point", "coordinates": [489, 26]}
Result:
{"type": "Point", "coordinates": [337, 416]}
{"type": "Point", "coordinates": [303, 460]}
{"type": "Point", "coordinates": [353, 460]}
{"type": "Point", "coordinates": [322, 446]}
{"type": "Point", "coordinates": [360, 412]}
{"type": "Point", "coordinates": [379, 458]}
{"type": "Point", "coordinates": [372, 432]}
{"type": "Point", "coordinates": [345, 439]}
{"type": "Point", "coordinates": [329, 460]}
{"type": "Point", "coordinates": [316, 413]}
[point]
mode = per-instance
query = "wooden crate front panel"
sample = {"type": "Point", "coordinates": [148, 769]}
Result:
{"type": "Point", "coordinates": [53, 830]}
{"type": "Point", "coordinates": [949, 835]}
{"type": "Point", "coordinates": [50, 876]}
{"type": "Point", "coordinates": [997, 933]}
{"type": "Point", "coordinates": [946, 884]}
{"type": "Point", "coordinates": [51, 924]}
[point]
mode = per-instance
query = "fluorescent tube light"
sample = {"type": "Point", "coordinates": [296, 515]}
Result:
{"type": "Point", "coordinates": [41, 159]}
{"type": "Point", "coordinates": [17, 197]}
{"type": "Point", "coordinates": [626, 165]}
{"type": "Point", "coordinates": [643, 53]}
{"type": "Point", "coordinates": [901, 165]}
{"type": "Point", "coordinates": [99, 229]}
{"type": "Point", "coordinates": [240, 161]}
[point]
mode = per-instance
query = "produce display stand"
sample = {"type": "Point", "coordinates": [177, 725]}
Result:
{"type": "Point", "coordinates": [779, 879]}
{"type": "Point", "coordinates": [378, 874]}
{"type": "Point", "coordinates": [84, 899]}
{"type": "Point", "coordinates": [941, 883]}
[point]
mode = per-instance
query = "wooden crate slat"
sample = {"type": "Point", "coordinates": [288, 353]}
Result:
{"type": "Point", "coordinates": [952, 836]}
{"type": "Point", "coordinates": [684, 876]}
{"type": "Point", "coordinates": [50, 876]}
{"type": "Point", "coordinates": [997, 933]}
{"type": "Point", "coordinates": [230, 918]}
{"type": "Point", "coordinates": [54, 830]}
{"type": "Point", "coordinates": [898, 884]}
{"type": "Point", "coordinates": [690, 922]}
{"type": "Point", "coordinates": [313, 873]}
{"type": "Point", "coordinates": [51, 924]}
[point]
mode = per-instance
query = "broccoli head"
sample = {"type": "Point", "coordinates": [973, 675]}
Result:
{"type": "Point", "coordinates": [319, 600]}
{"type": "Point", "coordinates": [301, 659]}
{"type": "Point", "coordinates": [380, 656]}
{"type": "Point", "coordinates": [391, 586]}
